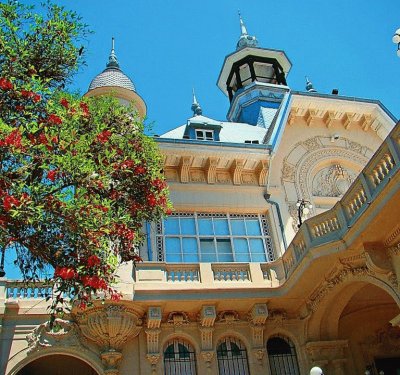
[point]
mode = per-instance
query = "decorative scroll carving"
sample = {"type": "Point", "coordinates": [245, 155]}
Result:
{"type": "Point", "coordinates": [184, 168]}
{"type": "Point", "coordinates": [228, 316]}
{"type": "Point", "coordinates": [288, 172]}
{"type": "Point", "coordinates": [197, 176]}
{"type": "Point", "coordinates": [64, 333]}
{"type": "Point", "coordinates": [207, 357]}
{"type": "Point", "coordinates": [277, 317]}
{"type": "Point", "coordinates": [339, 275]}
{"type": "Point", "coordinates": [393, 237]}
{"type": "Point", "coordinates": [237, 169]}
{"type": "Point", "coordinates": [211, 170]}
{"type": "Point", "coordinates": [259, 355]}
{"type": "Point", "coordinates": [178, 318]}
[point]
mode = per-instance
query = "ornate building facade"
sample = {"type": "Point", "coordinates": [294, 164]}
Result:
{"type": "Point", "coordinates": [283, 251]}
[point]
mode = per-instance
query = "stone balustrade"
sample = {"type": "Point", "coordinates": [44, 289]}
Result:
{"type": "Point", "coordinates": [17, 289]}
{"type": "Point", "coordinates": [333, 224]}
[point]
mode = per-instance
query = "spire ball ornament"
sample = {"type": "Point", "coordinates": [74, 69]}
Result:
{"type": "Point", "coordinates": [396, 40]}
{"type": "Point", "coordinates": [196, 108]}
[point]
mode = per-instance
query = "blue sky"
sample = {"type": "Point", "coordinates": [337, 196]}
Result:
{"type": "Point", "coordinates": [167, 47]}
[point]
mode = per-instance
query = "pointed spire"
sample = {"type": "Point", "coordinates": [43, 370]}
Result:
{"type": "Point", "coordinates": [243, 29]}
{"type": "Point", "coordinates": [112, 59]}
{"type": "Point", "coordinates": [245, 39]}
{"type": "Point", "coordinates": [197, 111]}
{"type": "Point", "coordinates": [309, 86]}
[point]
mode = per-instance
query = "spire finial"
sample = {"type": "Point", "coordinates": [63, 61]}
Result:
{"type": "Point", "coordinates": [112, 59]}
{"type": "Point", "coordinates": [243, 29]}
{"type": "Point", "coordinates": [245, 39]}
{"type": "Point", "coordinates": [197, 111]}
{"type": "Point", "coordinates": [309, 85]}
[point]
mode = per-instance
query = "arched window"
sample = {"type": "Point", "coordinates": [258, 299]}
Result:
{"type": "Point", "coordinates": [232, 357]}
{"type": "Point", "coordinates": [179, 358]}
{"type": "Point", "coordinates": [282, 356]}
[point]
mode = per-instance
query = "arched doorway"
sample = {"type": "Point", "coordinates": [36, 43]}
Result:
{"type": "Point", "coordinates": [57, 364]}
{"type": "Point", "coordinates": [365, 324]}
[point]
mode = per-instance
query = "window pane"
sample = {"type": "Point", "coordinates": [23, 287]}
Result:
{"type": "Point", "coordinates": [191, 258]}
{"type": "Point", "coordinates": [171, 225]}
{"type": "Point", "coordinates": [256, 246]}
{"type": "Point", "coordinates": [238, 227]}
{"type": "Point", "coordinates": [205, 227]}
{"type": "Point", "coordinates": [221, 227]}
{"type": "Point", "coordinates": [253, 227]}
{"type": "Point", "coordinates": [224, 249]}
{"type": "Point", "coordinates": [207, 250]}
{"type": "Point", "coordinates": [187, 226]}
{"type": "Point", "coordinates": [189, 246]}
{"type": "Point", "coordinates": [241, 250]}
{"type": "Point", "coordinates": [207, 245]}
{"type": "Point", "coordinates": [173, 249]}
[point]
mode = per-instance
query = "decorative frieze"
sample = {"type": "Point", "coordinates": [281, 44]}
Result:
{"type": "Point", "coordinates": [228, 316]}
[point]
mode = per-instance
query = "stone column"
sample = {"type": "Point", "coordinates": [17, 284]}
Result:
{"type": "Point", "coordinates": [208, 315]}
{"type": "Point", "coordinates": [153, 331]}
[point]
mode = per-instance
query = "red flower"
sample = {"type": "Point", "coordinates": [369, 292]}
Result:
{"type": "Point", "coordinates": [43, 139]}
{"type": "Point", "coordinates": [64, 102]}
{"type": "Point", "coordinates": [168, 211]}
{"type": "Point", "coordinates": [66, 273]}
{"type": "Point", "coordinates": [13, 139]}
{"type": "Point", "coordinates": [36, 98]}
{"type": "Point", "coordinates": [93, 261]}
{"type": "Point", "coordinates": [54, 119]}
{"type": "Point", "coordinates": [27, 94]}
{"type": "Point", "coordinates": [151, 200]}
{"type": "Point", "coordinates": [52, 175]}
{"type": "Point", "coordinates": [5, 84]}
{"type": "Point", "coordinates": [115, 296]}
{"type": "Point", "coordinates": [104, 136]}
{"type": "Point", "coordinates": [158, 184]}
{"type": "Point", "coordinates": [19, 108]}
{"type": "Point", "coordinates": [139, 169]}
{"type": "Point", "coordinates": [85, 109]}
{"type": "Point", "coordinates": [127, 164]}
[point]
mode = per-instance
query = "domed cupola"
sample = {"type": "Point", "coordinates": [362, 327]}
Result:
{"type": "Point", "coordinates": [113, 81]}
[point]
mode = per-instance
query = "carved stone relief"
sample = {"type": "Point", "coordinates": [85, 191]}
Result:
{"type": "Point", "coordinates": [332, 181]}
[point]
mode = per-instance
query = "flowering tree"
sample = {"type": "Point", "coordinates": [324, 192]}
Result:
{"type": "Point", "coordinates": [78, 177]}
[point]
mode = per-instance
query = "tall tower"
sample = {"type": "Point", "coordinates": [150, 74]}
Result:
{"type": "Point", "coordinates": [254, 79]}
{"type": "Point", "coordinates": [113, 81]}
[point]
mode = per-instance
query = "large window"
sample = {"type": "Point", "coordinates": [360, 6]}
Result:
{"type": "Point", "coordinates": [200, 237]}
{"type": "Point", "coordinates": [232, 357]}
{"type": "Point", "coordinates": [179, 358]}
{"type": "Point", "coordinates": [282, 356]}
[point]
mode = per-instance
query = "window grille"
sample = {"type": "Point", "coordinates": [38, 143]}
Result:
{"type": "Point", "coordinates": [232, 357]}
{"type": "Point", "coordinates": [179, 358]}
{"type": "Point", "coordinates": [282, 356]}
{"type": "Point", "coordinates": [189, 237]}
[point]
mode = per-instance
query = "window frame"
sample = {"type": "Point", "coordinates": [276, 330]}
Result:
{"type": "Point", "coordinates": [204, 136]}
{"type": "Point", "coordinates": [251, 254]}
{"type": "Point", "coordinates": [173, 364]}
